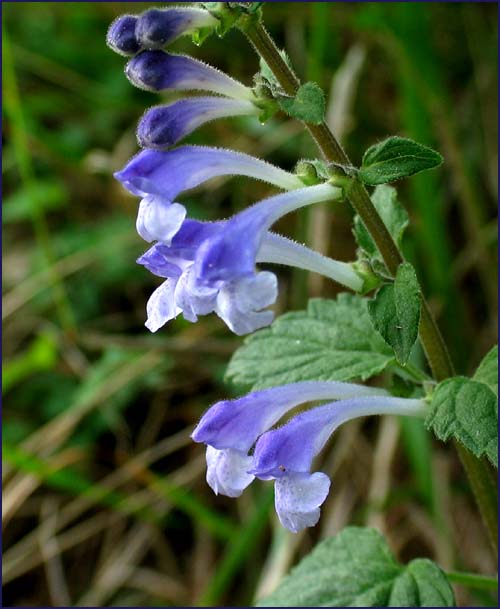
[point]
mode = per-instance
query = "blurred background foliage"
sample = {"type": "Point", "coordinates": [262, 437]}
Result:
{"type": "Point", "coordinates": [105, 501]}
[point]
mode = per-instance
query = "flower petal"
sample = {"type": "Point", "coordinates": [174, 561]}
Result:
{"type": "Point", "coordinates": [193, 299]}
{"type": "Point", "coordinates": [164, 126]}
{"type": "Point", "coordinates": [158, 264]}
{"type": "Point", "coordinates": [239, 302]}
{"type": "Point", "coordinates": [298, 497]}
{"type": "Point", "coordinates": [227, 471]}
{"type": "Point", "coordinates": [159, 220]}
{"type": "Point", "coordinates": [232, 253]}
{"type": "Point", "coordinates": [161, 306]}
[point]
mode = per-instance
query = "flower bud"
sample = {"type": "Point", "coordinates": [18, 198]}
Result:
{"type": "Point", "coordinates": [121, 36]}
{"type": "Point", "coordinates": [158, 71]}
{"type": "Point", "coordinates": [164, 126]}
{"type": "Point", "coordinates": [158, 27]}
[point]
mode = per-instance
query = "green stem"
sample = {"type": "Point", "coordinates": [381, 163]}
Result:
{"type": "Point", "coordinates": [430, 336]}
{"type": "Point", "coordinates": [472, 580]}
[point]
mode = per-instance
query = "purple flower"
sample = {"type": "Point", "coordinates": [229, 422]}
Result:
{"type": "Point", "coordinates": [239, 301]}
{"type": "Point", "coordinates": [232, 252]}
{"type": "Point", "coordinates": [157, 71]}
{"type": "Point", "coordinates": [158, 27]}
{"type": "Point", "coordinates": [121, 35]}
{"type": "Point", "coordinates": [159, 176]}
{"type": "Point", "coordinates": [231, 427]}
{"type": "Point", "coordinates": [286, 454]}
{"type": "Point", "coordinates": [163, 126]}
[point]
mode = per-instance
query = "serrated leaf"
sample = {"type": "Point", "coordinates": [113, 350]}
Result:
{"type": "Point", "coordinates": [331, 340]}
{"type": "Point", "coordinates": [466, 410]}
{"type": "Point", "coordinates": [395, 312]}
{"type": "Point", "coordinates": [396, 158]}
{"type": "Point", "coordinates": [356, 569]}
{"type": "Point", "coordinates": [307, 105]}
{"type": "Point", "coordinates": [487, 371]}
{"type": "Point", "coordinates": [393, 214]}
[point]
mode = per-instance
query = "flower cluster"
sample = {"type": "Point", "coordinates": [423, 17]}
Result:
{"type": "Point", "coordinates": [207, 266]}
{"type": "Point", "coordinates": [212, 266]}
{"type": "Point", "coordinates": [232, 428]}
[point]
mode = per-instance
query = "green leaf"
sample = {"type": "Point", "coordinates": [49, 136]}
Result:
{"type": "Point", "coordinates": [467, 410]}
{"type": "Point", "coordinates": [331, 340]}
{"type": "Point", "coordinates": [393, 214]}
{"type": "Point", "coordinates": [396, 158]}
{"type": "Point", "coordinates": [308, 104]}
{"type": "Point", "coordinates": [422, 584]}
{"type": "Point", "coordinates": [395, 312]}
{"type": "Point", "coordinates": [356, 569]}
{"type": "Point", "coordinates": [487, 371]}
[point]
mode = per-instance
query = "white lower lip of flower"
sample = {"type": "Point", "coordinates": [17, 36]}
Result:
{"type": "Point", "coordinates": [280, 250]}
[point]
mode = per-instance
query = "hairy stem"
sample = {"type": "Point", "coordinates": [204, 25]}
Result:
{"type": "Point", "coordinates": [430, 336]}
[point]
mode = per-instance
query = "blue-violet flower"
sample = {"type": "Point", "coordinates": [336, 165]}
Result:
{"type": "Point", "coordinates": [121, 35]}
{"type": "Point", "coordinates": [159, 176]}
{"type": "Point", "coordinates": [286, 454]}
{"type": "Point", "coordinates": [238, 301]}
{"type": "Point", "coordinates": [157, 71]}
{"type": "Point", "coordinates": [163, 126]}
{"type": "Point", "coordinates": [231, 427]}
{"type": "Point", "coordinates": [158, 27]}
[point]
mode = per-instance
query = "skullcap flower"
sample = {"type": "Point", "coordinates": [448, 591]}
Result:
{"type": "Point", "coordinates": [163, 126]}
{"type": "Point", "coordinates": [286, 454]}
{"type": "Point", "coordinates": [160, 175]}
{"type": "Point", "coordinates": [158, 71]}
{"type": "Point", "coordinates": [231, 427]}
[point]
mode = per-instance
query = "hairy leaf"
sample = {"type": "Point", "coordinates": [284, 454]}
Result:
{"type": "Point", "coordinates": [331, 340]}
{"type": "Point", "coordinates": [308, 104]}
{"type": "Point", "coordinates": [356, 569]}
{"type": "Point", "coordinates": [467, 410]}
{"type": "Point", "coordinates": [487, 371]}
{"type": "Point", "coordinates": [395, 312]}
{"type": "Point", "coordinates": [396, 158]}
